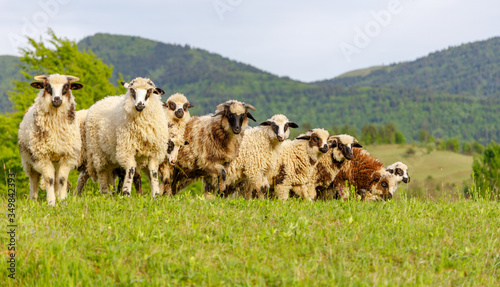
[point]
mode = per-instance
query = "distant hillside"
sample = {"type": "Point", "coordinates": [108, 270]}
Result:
{"type": "Point", "coordinates": [208, 79]}
{"type": "Point", "coordinates": [470, 69]}
{"type": "Point", "coordinates": [9, 71]}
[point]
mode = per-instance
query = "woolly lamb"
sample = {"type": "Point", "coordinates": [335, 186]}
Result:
{"type": "Point", "coordinates": [296, 162]}
{"type": "Point", "coordinates": [128, 131]}
{"type": "Point", "coordinates": [49, 134]}
{"type": "Point", "coordinates": [214, 142]}
{"type": "Point", "coordinates": [368, 176]}
{"type": "Point", "coordinates": [176, 110]}
{"type": "Point", "coordinates": [400, 172]}
{"type": "Point", "coordinates": [329, 165]}
{"type": "Point", "coordinates": [258, 154]}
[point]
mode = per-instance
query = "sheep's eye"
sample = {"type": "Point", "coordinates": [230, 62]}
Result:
{"type": "Point", "coordinates": [65, 89]}
{"type": "Point", "coordinates": [384, 184]}
{"type": "Point", "coordinates": [170, 147]}
{"type": "Point", "coordinates": [315, 139]}
{"type": "Point", "coordinates": [399, 171]}
{"type": "Point", "coordinates": [376, 179]}
{"type": "Point", "coordinates": [185, 107]}
{"type": "Point", "coordinates": [340, 145]}
{"type": "Point", "coordinates": [171, 106]}
{"type": "Point", "coordinates": [148, 93]}
{"type": "Point", "coordinates": [132, 92]}
{"type": "Point", "coordinates": [48, 89]}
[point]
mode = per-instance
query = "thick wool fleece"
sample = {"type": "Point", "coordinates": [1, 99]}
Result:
{"type": "Point", "coordinates": [296, 162]}
{"type": "Point", "coordinates": [46, 135]}
{"type": "Point", "coordinates": [118, 135]}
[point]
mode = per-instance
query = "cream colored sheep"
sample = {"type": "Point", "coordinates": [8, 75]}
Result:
{"type": "Point", "coordinates": [49, 134]}
{"type": "Point", "coordinates": [128, 131]}
{"type": "Point", "coordinates": [400, 172]}
{"type": "Point", "coordinates": [258, 155]}
{"type": "Point", "coordinates": [296, 163]}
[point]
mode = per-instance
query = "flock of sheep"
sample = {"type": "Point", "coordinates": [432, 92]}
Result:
{"type": "Point", "coordinates": [119, 136]}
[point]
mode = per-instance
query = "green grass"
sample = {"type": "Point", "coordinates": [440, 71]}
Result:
{"type": "Point", "coordinates": [186, 240]}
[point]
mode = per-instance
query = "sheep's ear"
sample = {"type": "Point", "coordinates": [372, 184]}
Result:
{"type": "Point", "coordinates": [249, 115]}
{"type": "Point", "coordinates": [303, 137]}
{"type": "Point", "coordinates": [293, 125]}
{"type": "Point", "coordinates": [391, 171]}
{"type": "Point", "coordinates": [72, 78]}
{"type": "Point", "coordinates": [37, 85]}
{"type": "Point", "coordinates": [165, 104]}
{"type": "Point", "coordinates": [356, 144]}
{"type": "Point", "coordinates": [219, 113]}
{"type": "Point", "coordinates": [159, 91]}
{"type": "Point", "coordinates": [190, 106]}
{"type": "Point", "coordinates": [186, 142]}
{"type": "Point", "coordinates": [265, 124]}
{"type": "Point", "coordinates": [41, 77]}
{"type": "Point", "coordinates": [125, 85]}
{"type": "Point", "coordinates": [76, 86]}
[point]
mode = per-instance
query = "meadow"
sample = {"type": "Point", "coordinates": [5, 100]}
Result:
{"type": "Point", "coordinates": [186, 240]}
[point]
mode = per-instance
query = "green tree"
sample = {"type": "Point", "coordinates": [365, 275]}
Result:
{"type": "Point", "coordinates": [53, 55]}
{"type": "Point", "coordinates": [400, 138]}
{"type": "Point", "coordinates": [487, 169]}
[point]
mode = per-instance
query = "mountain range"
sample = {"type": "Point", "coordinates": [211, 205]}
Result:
{"type": "Point", "coordinates": [450, 93]}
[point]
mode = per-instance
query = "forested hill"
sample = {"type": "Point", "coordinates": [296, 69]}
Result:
{"type": "Point", "coordinates": [208, 79]}
{"type": "Point", "coordinates": [470, 69]}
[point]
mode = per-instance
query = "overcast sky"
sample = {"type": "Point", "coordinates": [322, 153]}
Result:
{"type": "Point", "coordinates": [305, 40]}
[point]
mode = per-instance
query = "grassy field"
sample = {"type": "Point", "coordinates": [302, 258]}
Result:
{"type": "Point", "coordinates": [186, 240]}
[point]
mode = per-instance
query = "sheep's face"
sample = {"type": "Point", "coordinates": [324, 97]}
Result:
{"type": "Point", "coordinates": [140, 90]}
{"type": "Point", "coordinates": [400, 171]}
{"type": "Point", "coordinates": [56, 88]}
{"type": "Point", "coordinates": [383, 185]}
{"type": "Point", "coordinates": [235, 115]}
{"type": "Point", "coordinates": [318, 141]}
{"type": "Point", "coordinates": [278, 126]}
{"type": "Point", "coordinates": [174, 146]}
{"type": "Point", "coordinates": [343, 146]}
{"type": "Point", "coordinates": [178, 105]}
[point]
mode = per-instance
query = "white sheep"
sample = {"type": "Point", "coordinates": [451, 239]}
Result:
{"type": "Point", "coordinates": [214, 142]}
{"type": "Point", "coordinates": [176, 110]}
{"type": "Point", "coordinates": [128, 131]}
{"type": "Point", "coordinates": [49, 134]}
{"type": "Point", "coordinates": [329, 165]}
{"type": "Point", "coordinates": [400, 172]}
{"type": "Point", "coordinates": [296, 163]}
{"type": "Point", "coordinates": [259, 151]}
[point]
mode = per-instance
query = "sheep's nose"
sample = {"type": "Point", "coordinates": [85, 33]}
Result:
{"type": "Point", "coordinates": [349, 155]}
{"type": "Point", "coordinates": [57, 102]}
{"type": "Point", "coordinates": [179, 113]}
{"type": "Point", "coordinates": [173, 161]}
{"type": "Point", "coordinates": [281, 138]}
{"type": "Point", "coordinates": [139, 107]}
{"type": "Point", "coordinates": [324, 148]}
{"type": "Point", "coordinates": [388, 196]}
{"type": "Point", "coordinates": [237, 130]}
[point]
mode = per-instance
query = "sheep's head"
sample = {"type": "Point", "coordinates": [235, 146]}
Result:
{"type": "Point", "coordinates": [343, 146]}
{"type": "Point", "coordinates": [279, 126]}
{"type": "Point", "coordinates": [140, 90]}
{"type": "Point", "coordinates": [177, 105]}
{"type": "Point", "coordinates": [383, 185]}
{"type": "Point", "coordinates": [175, 144]}
{"type": "Point", "coordinates": [400, 171]}
{"type": "Point", "coordinates": [56, 88]}
{"type": "Point", "coordinates": [318, 141]}
{"type": "Point", "coordinates": [234, 115]}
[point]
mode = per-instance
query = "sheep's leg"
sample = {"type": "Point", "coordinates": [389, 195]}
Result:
{"type": "Point", "coordinates": [62, 181]}
{"type": "Point", "coordinates": [102, 178]}
{"type": "Point", "coordinates": [137, 182]}
{"type": "Point", "coordinates": [34, 182]}
{"type": "Point", "coordinates": [48, 174]}
{"type": "Point", "coordinates": [127, 183]}
{"type": "Point", "coordinates": [82, 180]}
{"type": "Point", "coordinates": [282, 191]}
{"type": "Point", "coordinates": [153, 178]}
{"type": "Point", "coordinates": [166, 173]}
